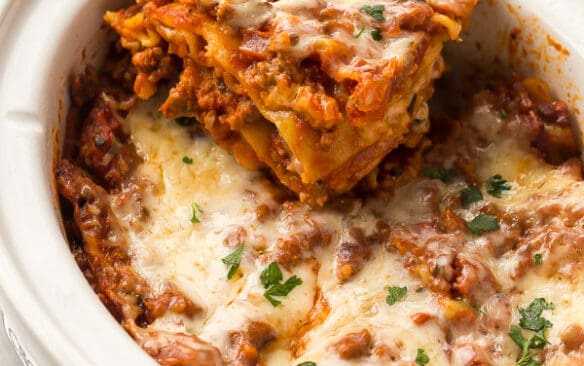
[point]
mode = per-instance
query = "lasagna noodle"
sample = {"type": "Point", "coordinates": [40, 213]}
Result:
{"type": "Point", "coordinates": [336, 88]}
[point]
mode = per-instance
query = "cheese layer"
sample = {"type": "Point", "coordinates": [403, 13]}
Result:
{"type": "Point", "coordinates": [171, 249]}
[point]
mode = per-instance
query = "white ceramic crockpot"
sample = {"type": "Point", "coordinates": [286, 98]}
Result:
{"type": "Point", "coordinates": [52, 316]}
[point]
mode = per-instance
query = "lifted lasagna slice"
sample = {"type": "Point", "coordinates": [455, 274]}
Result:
{"type": "Point", "coordinates": [317, 90]}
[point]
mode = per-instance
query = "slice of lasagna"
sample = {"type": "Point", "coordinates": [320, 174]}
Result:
{"type": "Point", "coordinates": [319, 91]}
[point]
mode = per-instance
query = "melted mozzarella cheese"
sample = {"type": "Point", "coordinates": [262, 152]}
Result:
{"type": "Point", "coordinates": [360, 304]}
{"type": "Point", "coordinates": [173, 250]}
{"type": "Point", "coordinates": [534, 185]}
{"type": "Point", "coordinates": [300, 20]}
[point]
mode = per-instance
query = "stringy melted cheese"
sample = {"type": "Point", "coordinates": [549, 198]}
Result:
{"type": "Point", "coordinates": [173, 250]}
{"type": "Point", "coordinates": [297, 18]}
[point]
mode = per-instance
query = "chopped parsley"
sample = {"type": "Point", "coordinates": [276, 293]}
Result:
{"type": "Point", "coordinates": [375, 12]}
{"type": "Point", "coordinates": [503, 114]}
{"type": "Point", "coordinates": [470, 194]}
{"type": "Point", "coordinates": [376, 34]}
{"type": "Point", "coordinates": [421, 358]}
{"type": "Point", "coordinates": [395, 294]}
{"type": "Point", "coordinates": [496, 185]}
{"type": "Point", "coordinates": [483, 223]}
{"type": "Point", "coordinates": [271, 275]}
{"type": "Point", "coordinates": [282, 289]}
{"type": "Point", "coordinates": [438, 173]}
{"type": "Point", "coordinates": [271, 279]}
{"type": "Point", "coordinates": [307, 363]}
{"type": "Point", "coordinates": [537, 259]}
{"type": "Point", "coordinates": [196, 209]}
{"type": "Point", "coordinates": [358, 34]}
{"type": "Point", "coordinates": [233, 261]}
{"type": "Point", "coordinates": [185, 121]}
{"type": "Point", "coordinates": [531, 320]}
{"type": "Point", "coordinates": [187, 160]}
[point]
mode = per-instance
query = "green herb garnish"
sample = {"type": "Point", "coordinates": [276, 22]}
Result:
{"type": "Point", "coordinates": [531, 316]}
{"type": "Point", "coordinates": [421, 358]}
{"type": "Point", "coordinates": [503, 114]}
{"type": "Point", "coordinates": [196, 209]}
{"type": "Point", "coordinates": [537, 259]}
{"type": "Point", "coordinates": [358, 34]}
{"type": "Point", "coordinates": [496, 185]}
{"type": "Point", "coordinates": [531, 320]}
{"type": "Point", "coordinates": [438, 173]}
{"type": "Point", "coordinates": [187, 160]}
{"type": "Point", "coordinates": [470, 194]}
{"type": "Point", "coordinates": [185, 121]}
{"type": "Point", "coordinates": [482, 224]}
{"type": "Point", "coordinates": [395, 294]}
{"type": "Point", "coordinates": [233, 261]}
{"type": "Point", "coordinates": [271, 279]}
{"type": "Point", "coordinates": [375, 12]}
{"type": "Point", "coordinates": [271, 275]}
{"type": "Point", "coordinates": [282, 289]}
{"type": "Point", "coordinates": [307, 363]}
{"type": "Point", "coordinates": [376, 34]}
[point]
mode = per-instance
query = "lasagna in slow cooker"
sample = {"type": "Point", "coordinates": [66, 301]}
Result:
{"type": "Point", "coordinates": [463, 248]}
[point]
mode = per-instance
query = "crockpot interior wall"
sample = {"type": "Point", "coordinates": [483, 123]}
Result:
{"type": "Point", "coordinates": [509, 37]}
{"type": "Point", "coordinates": [81, 44]}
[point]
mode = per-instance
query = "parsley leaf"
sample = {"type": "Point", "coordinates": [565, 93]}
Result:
{"type": "Point", "coordinates": [482, 224]}
{"type": "Point", "coordinates": [532, 320]}
{"type": "Point", "coordinates": [185, 121]}
{"type": "Point", "coordinates": [282, 289]}
{"type": "Point", "coordinates": [395, 294]}
{"type": "Point", "coordinates": [537, 259]}
{"type": "Point", "coordinates": [496, 185]}
{"type": "Point", "coordinates": [531, 316]}
{"type": "Point", "coordinates": [375, 12]}
{"type": "Point", "coordinates": [470, 194]}
{"type": "Point", "coordinates": [196, 209]}
{"type": "Point", "coordinates": [187, 160]}
{"type": "Point", "coordinates": [233, 261]}
{"type": "Point", "coordinates": [358, 34]}
{"type": "Point", "coordinates": [271, 275]}
{"type": "Point", "coordinates": [438, 173]}
{"type": "Point", "coordinates": [271, 279]}
{"type": "Point", "coordinates": [503, 114]}
{"type": "Point", "coordinates": [376, 34]}
{"type": "Point", "coordinates": [307, 363]}
{"type": "Point", "coordinates": [421, 358]}
{"type": "Point", "coordinates": [516, 335]}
